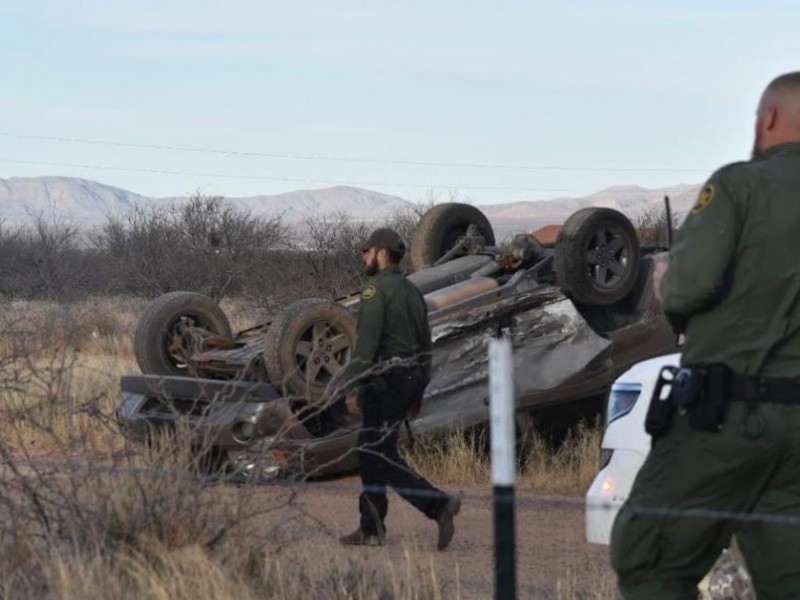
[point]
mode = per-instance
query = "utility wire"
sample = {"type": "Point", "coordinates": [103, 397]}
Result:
{"type": "Point", "coordinates": [283, 179]}
{"type": "Point", "coordinates": [20, 135]}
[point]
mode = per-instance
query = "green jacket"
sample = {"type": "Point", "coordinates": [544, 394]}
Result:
{"type": "Point", "coordinates": [392, 322]}
{"type": "Point", "coordinates": [733, 283]}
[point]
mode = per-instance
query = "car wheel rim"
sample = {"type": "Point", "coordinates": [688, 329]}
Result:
{"type": "Point", "coordinates": [607, 258]}
{"type": "Point", "coordinates": [321, 352]}
{"type": "Point", "coordinates": [185, 335]}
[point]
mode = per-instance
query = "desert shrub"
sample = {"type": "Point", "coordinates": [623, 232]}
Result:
{"type": "Point", "coordinates": [206, 245]}
{"type": "Point", "coordinates": [653, 224]}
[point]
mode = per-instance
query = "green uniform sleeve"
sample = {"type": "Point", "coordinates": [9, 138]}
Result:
{"type": "Point", "coordinates": [371, 311]}
{"type": "Point", "coordinates": [701, 256]}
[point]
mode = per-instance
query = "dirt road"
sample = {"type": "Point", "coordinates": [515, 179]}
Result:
{"type": "Point", "coordinates": [554, 560]}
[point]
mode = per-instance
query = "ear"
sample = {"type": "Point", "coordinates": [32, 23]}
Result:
{"type": "Point", "coordinates": [770, 118]}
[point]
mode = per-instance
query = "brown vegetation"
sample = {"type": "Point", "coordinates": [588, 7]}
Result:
{"type": "Point", "coordinates": [205, 245]}
{"type": "Point", "coordinates": [567, 468]}
{"type": "Point", "coordinates": [653, 226]}
{"type": "Point", "coordinates": [84, 514]}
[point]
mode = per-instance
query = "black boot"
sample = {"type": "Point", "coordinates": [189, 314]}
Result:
{"type": "Point", "coordinates": [445, 522]}
{"type": "Point", "coordinates": [361, 538]}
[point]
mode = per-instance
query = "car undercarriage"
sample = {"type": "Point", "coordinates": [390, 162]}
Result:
{"type": "Point", "coordinates": [264, 400]}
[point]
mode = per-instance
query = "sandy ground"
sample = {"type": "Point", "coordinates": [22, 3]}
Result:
{"type": "Point", "coordinates": [553, 558]}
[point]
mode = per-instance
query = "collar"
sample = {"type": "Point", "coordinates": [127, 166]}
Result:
{"type": "Point", "coordinates": [391, 269]}
{"type": "Point", "coordinates": [779, 149]}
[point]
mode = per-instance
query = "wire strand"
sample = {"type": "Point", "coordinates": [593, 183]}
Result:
{"type": "Point", "coordinates": [523, 497]}
{"type": "Point", "coordinates": [382, 161]}
{"type": "Point", "coordinates": [281, 179]}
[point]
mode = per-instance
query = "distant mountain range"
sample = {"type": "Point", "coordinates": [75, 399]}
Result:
{"type": "Point", "coordinates": [84, 201]}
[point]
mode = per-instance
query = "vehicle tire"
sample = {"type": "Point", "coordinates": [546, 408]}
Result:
{"type": "Point", "coordinates": [597, 256]}
{"type": "Point", "coordinates": [439, 229]}
{"type": "Point", "coordinates": [307, 345]}
{"type": "Point", "coordinates": [172, 328]}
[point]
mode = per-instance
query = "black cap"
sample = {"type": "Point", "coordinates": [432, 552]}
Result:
{"type": "Point", "coordinates": [383, 237]}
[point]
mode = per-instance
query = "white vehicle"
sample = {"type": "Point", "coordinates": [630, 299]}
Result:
{"type": "Point", "coordinates": [625, 445]}
{"type": "Point", "coordinates": [624, 449]}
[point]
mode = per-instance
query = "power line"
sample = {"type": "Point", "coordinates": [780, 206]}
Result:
{"type": "Point", "coordinates": [382, 161]}
{"type": "Point", "coordinates": [281, 179]}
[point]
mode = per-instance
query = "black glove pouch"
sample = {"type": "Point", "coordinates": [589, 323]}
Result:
{"type": "Point", "coordinates": [708, 411]}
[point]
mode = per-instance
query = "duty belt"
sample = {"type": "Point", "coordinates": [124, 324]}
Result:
{"type": "Point", "coordinates": [762, 389]}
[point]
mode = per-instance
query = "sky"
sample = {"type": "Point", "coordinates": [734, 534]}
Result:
{"type": "Point", "coordinates": [489, 102]}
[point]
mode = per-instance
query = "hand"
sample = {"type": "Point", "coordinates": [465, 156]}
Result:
{"type": "Point", "coordinates": [413, 411]}
{"type": "Point", "coordinates": [352, 404]}
{"type": "Point", "coordinates": [659, 270]}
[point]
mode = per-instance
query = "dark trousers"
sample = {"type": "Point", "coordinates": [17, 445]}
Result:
{"type": "Point", "coordinates": [697, 489]}
{"type": "Point", "coordinates": [384, 404]}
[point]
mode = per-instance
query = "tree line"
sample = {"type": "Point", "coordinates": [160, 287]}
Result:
{"type": "Point", "coordinates": [206, 244]}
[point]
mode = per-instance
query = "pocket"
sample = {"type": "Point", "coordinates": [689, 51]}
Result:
{"type": "Point", "coordinates": [634, 541]}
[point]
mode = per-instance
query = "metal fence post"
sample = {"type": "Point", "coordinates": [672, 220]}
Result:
{"type": "Point", "coordinates": [501, 398]}
{"type": "Point", "coordinates": [668, 210]}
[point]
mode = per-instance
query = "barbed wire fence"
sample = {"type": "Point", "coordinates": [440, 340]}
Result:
{"type": "Point", "coordinates": [68, 479]}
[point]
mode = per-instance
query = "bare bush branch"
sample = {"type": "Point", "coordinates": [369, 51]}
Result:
{"type": "Point", "coordinates": [206, 245]}
{"type": "Point", "coordinates": [652, 225]}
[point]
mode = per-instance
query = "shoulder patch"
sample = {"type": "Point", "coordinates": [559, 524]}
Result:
{"type": "Point", "coordinates": [704, 198]}
{"type": "Point", "coordinates": [369, 292]}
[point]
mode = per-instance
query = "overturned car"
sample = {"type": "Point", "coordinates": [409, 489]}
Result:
{"type": "Point", "coordinates": [260, 402]}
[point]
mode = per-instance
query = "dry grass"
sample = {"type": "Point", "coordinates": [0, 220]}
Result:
{"type": "Point", "coordinates": [135, 534]}
{"type": "Point", "coordinates": [567, 469]}
{"type": "Point", "coordinates": [570, 588]}
{"type": "Point", "coordinates": [191, 573]}
{"type": "Point", "coordinates": [95, 326]}
{"type": "Point", "coordinates": [71, 400]}
{"type": "Point", "coordinates": [68, 362]}
{"type": "Point", "coordinates": [454, 458]}
{"type": "Point", "coordinates": [83, 517]}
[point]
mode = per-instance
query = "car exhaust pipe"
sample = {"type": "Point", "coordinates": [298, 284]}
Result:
{"type": "Point", "coordinates": [460, 291]}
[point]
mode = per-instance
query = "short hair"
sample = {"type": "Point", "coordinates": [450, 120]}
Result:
{"type": "Point", "coordinates": [784, 91]}
{"type": "Point", "coordinates": [396, 255]}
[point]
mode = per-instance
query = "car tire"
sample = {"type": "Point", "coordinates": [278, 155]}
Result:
{"type": "Point", "coordinates": [307, 345]}
{"type": "Point", "coordinates": [439, 229]}
{"type": "Point", "coordinates": [597, 256]}
{"type": "Point", "coordinates": [158, 339]}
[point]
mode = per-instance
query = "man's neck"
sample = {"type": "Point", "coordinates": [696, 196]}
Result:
{"type": "Point", "coordinates": [387, 268]}
{"type": "Point", "coordinates": [776, 148]}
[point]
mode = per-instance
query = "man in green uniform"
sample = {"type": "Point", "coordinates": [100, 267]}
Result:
{"type": "Point", "coordinates": [385, 379]}
{"type": "Point", "coordinates": [729, 460]}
